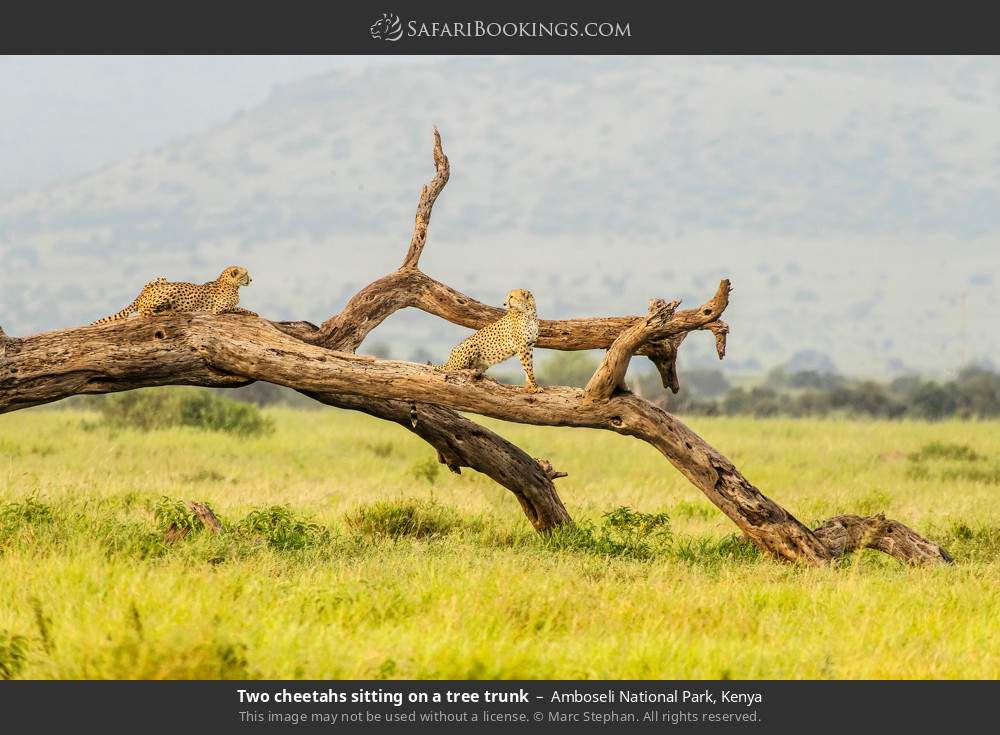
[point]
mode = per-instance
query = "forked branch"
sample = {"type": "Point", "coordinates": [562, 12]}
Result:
{"type": "Point", "coordinates": [610, 375]}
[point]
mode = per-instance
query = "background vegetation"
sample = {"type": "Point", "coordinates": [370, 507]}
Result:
{"type": "Point", "coordinates": [151, 409]}
{"type": "Point", "coordinates": [973, 393]}
{"type": "Point", "coordinates": [346, 552]}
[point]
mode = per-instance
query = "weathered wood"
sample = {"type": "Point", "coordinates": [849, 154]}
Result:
{"type": "Point", "coordinates": [229, 350]}
{"type": "Point", "coordinates": [845, 534]}
{"type": "Point", "coordinates": [411, 288]}
{"type": "Point", "coordinates": [610, 375]}
{"type": "Point", "coordinates": [203, 513]}
{"type": "Point", "coordinates": [549, 470]}
{"type": "Point", "coordinates": [428, 195]}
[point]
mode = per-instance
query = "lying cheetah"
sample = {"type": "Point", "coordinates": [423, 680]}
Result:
{"type": "Point", "coordinates": [514, 333]}
{"type": "Point", "coordinates": [161, 296]}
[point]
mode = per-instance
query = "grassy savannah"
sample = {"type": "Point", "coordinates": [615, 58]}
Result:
{"type": "Point", "coordinates": [349, 552]}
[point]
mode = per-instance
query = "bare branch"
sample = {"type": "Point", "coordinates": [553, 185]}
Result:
{"type": "Point", "coordinates": [549, 471]}
{"type": "Point", "coordinates": [428, 195]}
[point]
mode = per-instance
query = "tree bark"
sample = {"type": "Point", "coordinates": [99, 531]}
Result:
{"type": "Point", "coordinates": [848, 533]}
{"type": "Point", "coordinates": [230, 350]}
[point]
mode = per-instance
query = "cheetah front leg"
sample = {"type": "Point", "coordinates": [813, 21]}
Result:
{"type": "Point", "coordinates": [241, 310]}
{"type": "Point", "coordinates": [526, 357]}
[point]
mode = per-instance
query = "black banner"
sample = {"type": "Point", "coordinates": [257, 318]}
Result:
{"type": "Point", "coordinates": [513, 27]}
{"type": "Point", "coordinates": [499, 706]}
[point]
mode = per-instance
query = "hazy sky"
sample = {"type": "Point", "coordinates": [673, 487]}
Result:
{"type": "Point", "coordinates": [85, 112]}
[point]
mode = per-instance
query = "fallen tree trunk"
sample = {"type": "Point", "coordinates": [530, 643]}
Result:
{"type": "Point", "coordinates": [230, 350]}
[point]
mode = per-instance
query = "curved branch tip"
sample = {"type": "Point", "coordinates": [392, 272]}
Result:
{"type": "Point", "coordinates": [428, 195]}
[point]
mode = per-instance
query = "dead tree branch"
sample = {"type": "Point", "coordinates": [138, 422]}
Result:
{"type": "Point", "coordinates": [428, 195]}
{"type": "Point", "coordinates": [228, 350]}
{"type": "Point", "coordinates": [610, 376]}
{"type": "Point", "coordinates": [848, 533]}
{"type": "Point", "coordinates": [204, 515]}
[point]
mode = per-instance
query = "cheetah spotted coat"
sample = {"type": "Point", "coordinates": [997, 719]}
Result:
{"type": "Point", "coordinates": [162, 296]}
{"type": "Point", "coordinates": [515, 333]}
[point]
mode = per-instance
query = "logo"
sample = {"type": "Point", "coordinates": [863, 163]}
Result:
{"type": "Point", "coordinates": [387, 28]}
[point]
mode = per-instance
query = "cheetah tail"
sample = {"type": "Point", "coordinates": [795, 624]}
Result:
{"type": "Point", "coordinates": [134, 306]}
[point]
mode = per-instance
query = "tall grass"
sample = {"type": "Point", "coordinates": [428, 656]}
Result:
{"type": "Point", "coordinates": [338, 559]}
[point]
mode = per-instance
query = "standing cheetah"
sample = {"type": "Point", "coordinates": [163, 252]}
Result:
{"type": "Point", "coordinates": [161, 296]}
{"type": "Point", "coordinates": [514, 333]}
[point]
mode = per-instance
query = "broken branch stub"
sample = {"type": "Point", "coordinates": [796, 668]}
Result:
{"type": "Point", "coordinates": [205, 516]}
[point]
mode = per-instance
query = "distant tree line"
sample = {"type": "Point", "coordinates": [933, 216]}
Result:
{"type": "Point", "coordinates": [973, 393]}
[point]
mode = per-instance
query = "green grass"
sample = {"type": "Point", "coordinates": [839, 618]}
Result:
{"type": "Point", "coordinates": [343, 555]}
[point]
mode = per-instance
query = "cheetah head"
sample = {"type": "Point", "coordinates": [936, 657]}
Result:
{"type": "Point", "coordinates": [520, 300]}
{"type": "Point", "coordinates": [237, 275]}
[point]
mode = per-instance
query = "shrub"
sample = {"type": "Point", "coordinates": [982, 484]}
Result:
{"type": "Point", "coordinates": [568, 368]}
{"type": "Point", "coordinates": [694, 509]}
{"type": "Point", "coordinates": [145, 410]}
{"type": "Point", "coordinates": [932, 401]}
{"type": "Point", "coordinates": [210, 412]}
{"type": "Point", "coordinates": [177, 515]}
{"type": "Point", "coordinates": [975, 393]}
{"type": "Point", "coordinates": [44, 624]}
{"type": "Point", "coordinates": [9, 448]}
{"type": "Point", "coordinates": [968, 543]}
{"type": "Point", "coordinates": [942, 450]}
{"type": "Point", "coordinates": [160, 408]}
{"type": "Point", "coordinates": [399, 518]}
{"type": "Point", "coordinates": [204, 475]}
{"type": "Point", "coordinates": [133, 657]}
{"type": "Point", "coordinates": [427, 469]}
{"type": "Point", "coordinates": [279, 527]}
{"type": "Point", "coordinates": [988, 476]}
{"type": "Point", "coordinates": [623, 533]}
{"type": "Point", "coordinates": [635, 527]}
{"type": "Point", "coordinates": [131, 540]}
{"type": "Point", "coordinates": [264, 394]}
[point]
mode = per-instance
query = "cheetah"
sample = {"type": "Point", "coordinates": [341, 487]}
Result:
{"type": "Point", "coordinates": [161, 296]}
{"type": "Point", "coordinates": [514, 333]}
